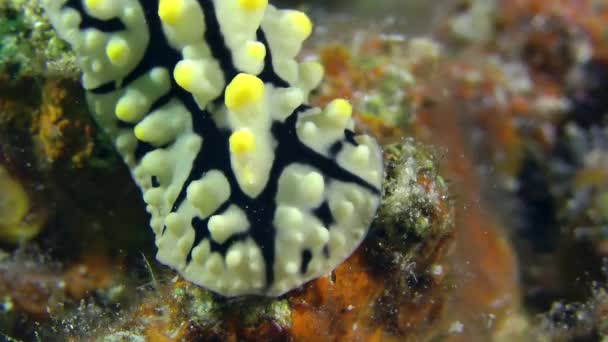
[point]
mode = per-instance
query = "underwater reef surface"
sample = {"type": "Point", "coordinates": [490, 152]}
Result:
{"type": "Point", "coordinates": [493, 223]}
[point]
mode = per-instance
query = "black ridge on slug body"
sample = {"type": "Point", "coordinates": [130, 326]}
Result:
{"type": "Point", "coordinates": [215, 153]}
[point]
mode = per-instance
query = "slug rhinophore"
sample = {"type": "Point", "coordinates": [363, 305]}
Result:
{"type": "Point", "coordinates": [250, 189]}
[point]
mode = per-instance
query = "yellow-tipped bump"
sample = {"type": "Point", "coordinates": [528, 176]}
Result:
{"type": "Point", "coordinates": [341, 107]}
{"type": "Point", "coordinates": [242, 141]}
{"type": "Point", "coordinates": [125, 109]}
{"type": "Point", "coordinates": [253, 5]}
{"type": "Point", "coordinates": [94, 4]}
{"type": "Point", "coordinates": [144, 131]}
{"type": "Point", "coordinates": [244, 90]}
{"type": "Point", "coordinates": [171, 11]}
{"type": "Point", "coordinates": [184, 75]}
{"type": "Point", "coordinates": [141, 133]}
{"type": "Point", "coordinates": [301, 23]}
{"type": "Point", "coordinates": [118, 51]}
{"type": "Point", "coordinates": [339, 111]}
{"type": "Point", "coordinates": [256, 50]}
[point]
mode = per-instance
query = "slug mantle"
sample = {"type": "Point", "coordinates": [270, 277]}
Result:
{"type": "Point", "coordinates": [250, 189]}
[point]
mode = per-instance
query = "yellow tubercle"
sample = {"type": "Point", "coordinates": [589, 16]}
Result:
{"type": "Point", "coordinates": [141, 133]}
{"type": "Point", "coordinates": [301, 23]}
{"type": "Point", "coordinates": [341, 107]}
{"type": "Point", "coordinates": [244, 90]}
{"type": "Point", "coordinates": [242, 144]}
{"type": "Point", "coordinates": [118, 51]}
{"type": "Point", "coordinates": [184, 75]}
{"type": "Point", "coordinates": [256, 50]}
{"type": "Point", "coordinates": [242, 141]}
{"type": "Point", "coordinates": [339, 111]}
{"type": "Point", "coordinates": [125, 110]}
{"type": "Point", "coordinates": [253, 5]}
{"type": "Point", "coordinates": [171, 11]}
{"type": "Point", "coordinates": [94, 4]}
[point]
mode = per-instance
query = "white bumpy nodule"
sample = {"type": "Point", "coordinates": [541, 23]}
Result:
{"type": "Point", "coordinates": [250, 190]}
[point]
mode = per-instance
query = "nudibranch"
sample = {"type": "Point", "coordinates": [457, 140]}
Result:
{"type": "Point", "coordinates": [250, 189]}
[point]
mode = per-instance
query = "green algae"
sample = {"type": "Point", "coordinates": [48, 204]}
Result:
{"type": "Point", "coordinates": [29, 47]}
{"type": "Point", "coordinates": [208, 310]}
{"type": "Point", "coordinates": [198, 305]}
{"type": "Point", "coordinates": [273, 310]}
{"type": "Point", "coordinates": [415, 197]}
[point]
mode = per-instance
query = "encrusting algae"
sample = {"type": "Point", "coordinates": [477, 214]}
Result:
{"type": "Point", "coordinates": [28, 45]}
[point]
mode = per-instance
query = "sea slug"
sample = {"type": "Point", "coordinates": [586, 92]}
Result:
{"type": "Point", "coordinates": [250, 190]}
